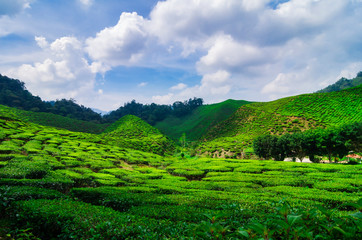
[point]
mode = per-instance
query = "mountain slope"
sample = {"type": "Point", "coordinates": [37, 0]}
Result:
{"type": "Point", "coordinates": [200, 120]}
{"type": "Point", "coordinates": [285, 115]}
{"type": "Point", "coordinates": [132, 132]}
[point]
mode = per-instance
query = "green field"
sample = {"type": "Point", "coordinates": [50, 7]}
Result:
{"type": "Point", "coordinates": [69, 185]}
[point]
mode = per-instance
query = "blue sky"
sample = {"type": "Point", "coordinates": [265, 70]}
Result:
{"type": "Point", "coordinates": [105, 53]}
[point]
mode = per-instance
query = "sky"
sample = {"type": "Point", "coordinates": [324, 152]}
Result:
{"type": "Point", "coordinates": [104, 53]}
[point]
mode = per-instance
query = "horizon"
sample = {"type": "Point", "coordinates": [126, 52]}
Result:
{"type": "Point", "coordinates": [104, 55]}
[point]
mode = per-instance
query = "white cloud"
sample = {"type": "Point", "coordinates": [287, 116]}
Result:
{"type": "Point", "coordinates": [86, 3]}
{"type": "Point", "coordinates": [226, 53]}
{"type": "Point", "coordinates": [42, 42]}
{"type": "Point", "coordinates": [121, 44]}
{"type": "Point", "coordinates": [281, 84]}
{"type": "Point", "coordinates": [64, 74]}
{"type": "Point", "coordinates": [142, 84]}
{"type": "Point", "coordinates": [165, 99]}
{"type": "Point", "coordinates": [178, 87]}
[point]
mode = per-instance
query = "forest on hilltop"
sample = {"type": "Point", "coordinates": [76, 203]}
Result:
{"type": "Point", "coordinates": [343, 83]}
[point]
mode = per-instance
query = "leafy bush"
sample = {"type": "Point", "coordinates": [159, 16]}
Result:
{"type": "Point", "coordinates": [19, 168]}
{"type": "Point", "coordinates": [66, 219]}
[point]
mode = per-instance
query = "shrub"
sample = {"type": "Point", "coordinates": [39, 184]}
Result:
{"type": "Point", "coordinates": [66, 219]}
{"type": "Point", "coordinates": [19, 168]}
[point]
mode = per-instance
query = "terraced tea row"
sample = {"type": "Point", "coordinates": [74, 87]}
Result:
{"type": "Point", "coordinates": [84, 187]}
{"type": "Point", "coordinates": [288, 115]}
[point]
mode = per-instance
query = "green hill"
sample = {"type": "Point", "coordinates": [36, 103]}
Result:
{"type": "Point", "coordinates": [287, 115]}
{"type": "Point", "coordinates": [196, 124]}
{"type": "Point", "coordinates": [343, 83]}
{"type": "Point", "coordinates": [132, 132]}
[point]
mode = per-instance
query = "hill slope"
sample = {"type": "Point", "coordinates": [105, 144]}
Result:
{"type": "Point", "coordinates": [200, 120]}
{"type": "Point", "coordinates": [54, 120]}
{"type": "Point", "coordinates": [132, 132]}
{"type": "Point", "coordinates": [53, 177]}
{"type": "Point", "coordinates": [285, 115]}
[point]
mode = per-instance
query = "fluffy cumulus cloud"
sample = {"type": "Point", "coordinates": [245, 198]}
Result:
{"type": "Point", "coordinates": [273, 45]}
{"type": "Point", "coordinates": [122, 44]}
{"type": "Point", "coordinates": [64, 74]}
{"type": "Point", "coordinates": [286, 48]}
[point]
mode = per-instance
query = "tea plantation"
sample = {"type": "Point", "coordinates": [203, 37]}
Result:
{"type": "Point", "coordinates": [235, 135]}
{"type": "Point", "coordinates": [58, 184]}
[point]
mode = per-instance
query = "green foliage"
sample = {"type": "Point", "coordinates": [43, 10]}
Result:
{"type": "Point", "coordinates": [132, 132]}
{"type": "Point", "coordinates": [54, 120]}
{"type": "Point", "coordinates": [154, 113]}
{"type": "Point", "coordinates": [21, 168]}
{"type": "Point", "coordinates": [101, 222]}
{"type": "Point", "coordinates": [287, 115]}
{"type": "Point", "coordinates": [286, 222]}
{"type": "Point", "coordinates": [331, 142]}
{"type": "Point", "coordinates": [343, 83]}
{"type": "Point", "coordinates": [105, 191]}
{"type": "Point", "coordinates": [14, 94]}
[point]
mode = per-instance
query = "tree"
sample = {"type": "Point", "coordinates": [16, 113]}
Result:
{"type": "Point", "coordinates": [309, 144]}
{"type": "Point", "coordinates": [267, 146]}
{"type": "Point", "coordinates": [352, 136]}
{"type": "Point", "coordinates": [296, 146]}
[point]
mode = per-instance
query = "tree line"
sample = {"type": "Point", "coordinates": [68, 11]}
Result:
{"type": "Point", "coordinates": [343, 83]}
{"type": "Point", "coordinates": [153, 113]}
{"type": "Point", "coordinates": [334, 142]}
{"type": "Point", "coordinates": [13, 93]}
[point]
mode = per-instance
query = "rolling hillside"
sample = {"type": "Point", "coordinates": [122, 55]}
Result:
{"type": "Point", "coordinates": [287, 115]}
{"type": "Point", "coordinates": [200, 120]}
{"type": "Point", "coordinates": [85, 188]}
{"type": "Point", "coordinates": [54, 120]}
{"type": "Point", "coordinates": [132, 132]}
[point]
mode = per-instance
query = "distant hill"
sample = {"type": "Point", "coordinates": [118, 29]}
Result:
{"type": "Point", "coordinates": [343, 83]}
{"type": "Point", "coordinates": [287, 115]}
{"type": "Point", "coordinates": [200, 120]}
{"type": "Point", "coordinates": [132, 132]}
